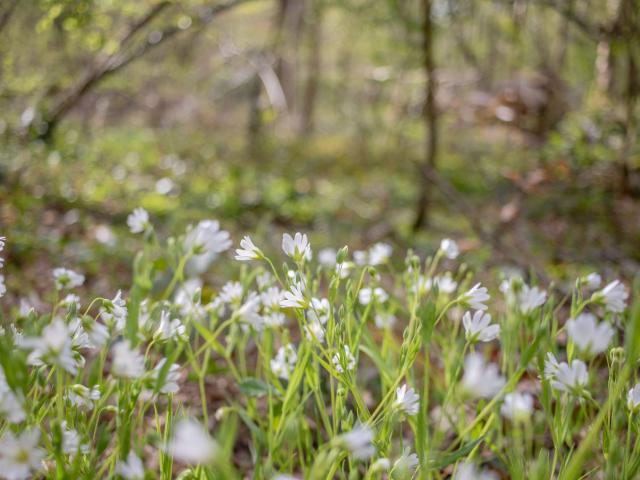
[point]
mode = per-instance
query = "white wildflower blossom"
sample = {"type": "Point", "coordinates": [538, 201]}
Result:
{"type": "Point", "coordinates": [127, 362]}
{"type": "Point", "coordinates": [248, 251]}
{"type": "Point", "coordinates": [564, 377]}
{"type": "Point", "coordinates": [314, 330]}
{"type": "Point", "coordinates": [481, 380]}
{"type": "Point", "coordinates": [633, 398]}
{"type": "Point", "coordinates": [114, 312]}
{"type": "Point", "coordinates": [11, 405]}
{"type": "Point", "coordinates": [593, 280]}
{"type": "Point", "coordinates": [271, 297]}
{"type": "Point", "coordinates": [294, 298]}
{"type": "Point", "coordinates": [591, 337]}
{"type": "Point", "coordinates": [131, 469]}
{"type": "Point", "coordinates": [231, 292]}
{"type": "Point", "coordinates": [20, 456]}
{"type": "Point", "coordinates": [319, 310]}
{"type": "Point", "coordinates": [345, 361]}
{"type": "Point", "coordinates": [204, 243]}
{"type": "Point", "coordinates": [517, 406]}
{"type": "Point", "coordinates": [138, 220]}
{"type": "Point", "coordinates": [297, 247]}
{"type": "Point", "coordinates": [385, 320]}
{"type": "Point", "coordinates": [379, 254]}
{"type": "Point", "coordinates": [71, 442]}
{"type": "Point", "coordinates": [65, 278]}
{"type": "Point", "coordinates": [54, 347]}
{"type": "Point", "coordinates": [83, 397]}
{"type": "Point", "coordinates": [613, 296]}
{"type": "Point", "coordinates": [327, 257]}
{"type": "Point", "coordinates": [530, 298]}
{"type": "Point", "coordinates": [449, 248]}
{"type": "Point", "coordinates": [170, 329]}
{"type": "Point", "coordinates": [249, 312]}
{"type": "Point", "coordinates": [407, 400]}
{"type": "Point", "coordinates": [284, 362]}
{"type": "Point", "coordinates": [169, 383]}
{"type": "Point", "coordinates": [405, 466]}
{"type": "Point", "coordinates": [475, 297]}
{"type": "Point", "coordinates": [367, 294]}
{"type": "Point", "coordinates": [478, 327]}
{"type": "Point", "coordinates": [359, 441]}
{"type": "Point", "coordinates": [3, 287]}
{"type": "Point", "coordinates": [192, 444]}
{"type": "Point", "coordinates": [274, 319]}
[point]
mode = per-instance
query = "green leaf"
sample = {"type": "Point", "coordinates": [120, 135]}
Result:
{"type": "Point", "coordinates": [449, 458]}
{"type": "Point", "coordinates": [253, 387]}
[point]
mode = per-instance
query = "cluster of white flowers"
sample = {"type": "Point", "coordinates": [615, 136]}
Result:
{"type": "Point", "coordinates": [124, 349]}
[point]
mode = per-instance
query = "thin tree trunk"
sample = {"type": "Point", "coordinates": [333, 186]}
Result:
{"type": "Point", "coordinates": [313, 74]}
{"type": "Point", "coordinates": [430, 116]}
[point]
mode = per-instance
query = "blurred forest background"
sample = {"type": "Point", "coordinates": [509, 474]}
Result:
{"type": "Point", "coordinates": [509, 125]}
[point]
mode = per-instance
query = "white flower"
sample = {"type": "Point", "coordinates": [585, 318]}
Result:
{"type": "Point", "coordinates": [531, 298]}
{"type": "Point", "coordinates": [633, 398]}
{"type": "Point", "coordinates": [70, 301]}
{"type": "Point", "coordinates": [170, 381]}
{"type": "Point", "coordinates": [481, 380]}
{"type": "Point", "coordinates": [445, 283]}
{"type": "Point", "coordinates": [294, 298]}
{"type": "Point", "coordinates": [475, 297]}
{"type": "Point", "coordinates": [478, 328]}
{"type": "Point", "coordinates": [365, 295]}
{"type": "Point", "coordinates": [54, 347]}
{"type": "Point", "coordinates": [296, 247]}
{"type": "Point", "coordinates": [131, 469]}
{"type": "Point", "coordinates": [284, 362]}
{"type": "Point", "coordinates": [71, 443]}
{"type": "Point", "coordinates": [98, 334]}
{"type": "Point", "coordinates": [551, 366]}
{"type": "Point", "coordinates": [379, 253]}
{"type": "Point", "coordinates": [360, 257]}
{"type": "Point", "coordinates": [314, 331]}
{"type": "Point", "coordinates": [3, 287]}
{"type": "Point", "coordinates": [593, 280]}
{"type": "Point", "coordinates": [192, 444]}
{"type": "Point", "coordinates": [407, 400]}
{"type": "Point", "coordinates": [65, 278]}
{"type": "Point", "coordinates": [320, 310]}
{"type": "Point", "coordinates": [564, 377]}
{"type": "Point", "coordinates": [170, 329]}
{"type": "Point", "coordinates": [231, 292]}
{"type": "Point", "coordinates": [348, 360]}
{"type": "Point", "coordinates": [11, 406]}
{"type": "Point", "coordinates": [83, 397]}
{"type": "Point", "coordinates": [405, 466]}
{"type": "Point", "coordinates": [449, 248]}
{"type": "Point", "coordinates": [271, 297]}
{"type": "Point", "coordinates": [274, 319]}
{"type": "Point", "coordinates": [248, 312]}
{"type": "Point", "coordinates": [517, 406]}
{"type": "Point", "coordinates": [589, 336]}
{"type": "Point", "coordinates": [343, 269]}
{"type": "Point", "coordinates": [327, 257]}
{"type": "Point", "coordinates": [248, 251]}
{"type": "Point", "coordinates": [127, 362]}
{"type": "Point", "coordinates": [385, 320]}
{"type": "Point", "coordinates": [3, 241]}
{"type": "Point", "coordinates": [205, 242]}
{"type": "Point", "coordinates": [20, 456]}
{"type": "Point", "coordinates": [358, 441]}
{"type": "Point", "coordinates": [614, 297]}
{"type": "Point", "coordinates": [138, 220]}
{"type": "Point", "coordinates": [380, 465]}
{"type": "Point", "coordinates": [114, 312]}
{"type": "Point", "coordinates": [264, 279]}
{"type": "Point", "coordinates": [468, 471]}
{"type": "Point", "coordinates": [188, 297]}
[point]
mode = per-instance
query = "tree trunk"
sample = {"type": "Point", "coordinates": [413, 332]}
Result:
{"type": "Point", "coordinates": [430, 116]}
{"type": "Point", "coordinates": [313, 74]}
